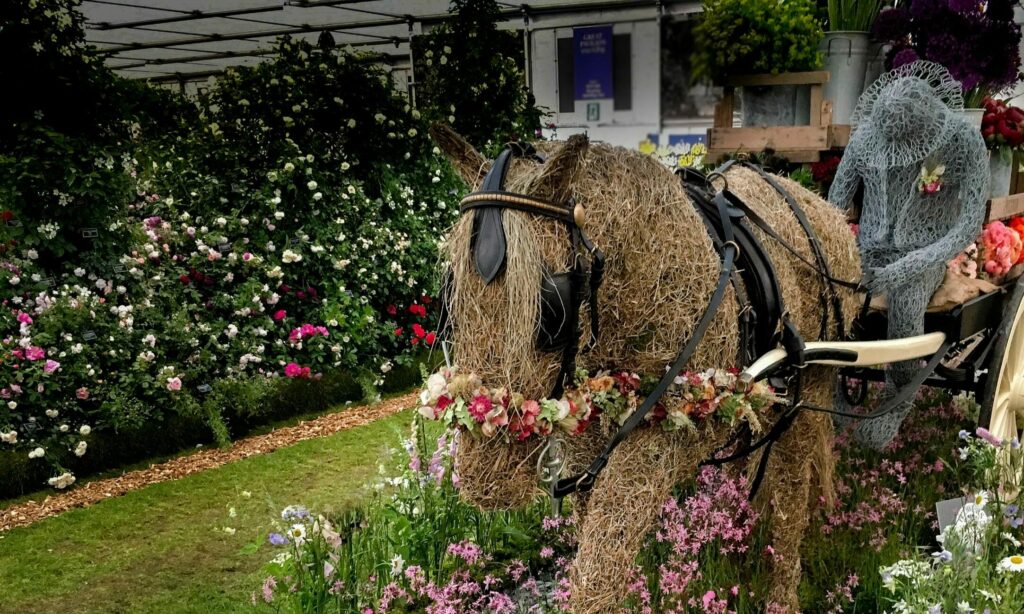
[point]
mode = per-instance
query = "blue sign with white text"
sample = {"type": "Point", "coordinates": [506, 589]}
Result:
{"type": "Point", "coordinates": [592, 62]}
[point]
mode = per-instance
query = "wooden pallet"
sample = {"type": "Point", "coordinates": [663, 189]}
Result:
{"type": "Point", "coordinates": [796, 143]}
{"type": "Point", "coordinates": [1004, 208]}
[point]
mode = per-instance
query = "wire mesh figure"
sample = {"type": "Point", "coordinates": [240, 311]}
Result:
{"type": "Point", "coordinates": [925, 174]}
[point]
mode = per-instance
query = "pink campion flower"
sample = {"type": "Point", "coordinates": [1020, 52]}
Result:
{"type": "Point", "coordinates": [174, 384]}
{"type": "Point", "coordinates": [82, 393]}
{"type": "Point", "coordinates": [268, 589]}
{"type": "Point", "coordinates": [985, 434]}
{"type": "Point", "coordinates": [292, 370]}
{"type": "Point", "coordinates": [51, 366]}
{"type": "Point", "coordinates": [34, 353]}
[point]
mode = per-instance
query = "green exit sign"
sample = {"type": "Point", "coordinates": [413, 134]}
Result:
{"type": "Point", "coordinates": [593, 111]}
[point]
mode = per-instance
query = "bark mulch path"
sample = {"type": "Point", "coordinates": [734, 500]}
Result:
{"type": "Point", "coordinates": [24, 514]}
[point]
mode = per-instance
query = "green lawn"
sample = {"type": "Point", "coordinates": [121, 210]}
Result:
{"type": "Point", "coordinates": [163, 548]}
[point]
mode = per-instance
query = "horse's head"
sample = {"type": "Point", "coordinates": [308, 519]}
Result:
{"type": "Point", "coordinates": [517, 263]}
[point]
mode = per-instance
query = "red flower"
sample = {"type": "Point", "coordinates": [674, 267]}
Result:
{"type": "Point", "coordinates": [479, 407]}
{"type": "Point", "coordinates": [418, 331]}
{"type": "Point", "coordinates": [399, 331]}
{"type": "Point", "coordinates": [430, 338]}
{"type": "Point", "coordinates": [392, 310]}
{"type": "Point", "coordinates": [418, 310]}
{"type": "Point", "coordinates": [7, 216]}
{"type": "Point", "coordinates": [184, 279]}
{"type": "Point", "coordinates": [415, 340]}
{"type": "Point", "coordinates": [443, 402]}
{"type": "Point", "coordinates": [280, 314]}
{"type": "Point", "coordinates": [425, 299]}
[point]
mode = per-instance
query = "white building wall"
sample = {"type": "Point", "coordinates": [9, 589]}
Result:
{"type": "Point", "coordinates": [625, 128]}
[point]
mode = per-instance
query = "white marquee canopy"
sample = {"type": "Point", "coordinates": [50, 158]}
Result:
{"type": "Point", "coordinates": [179, 40]}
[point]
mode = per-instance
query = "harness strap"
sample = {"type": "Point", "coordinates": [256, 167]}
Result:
{"type": "Point", "coordinates": [819, 254]}
{"type": "Point", "coordinates": [597, 260]}
{"type": "Point", "coordinates": [585, 481]}
{"type": "Point", "coordinates": [767, 229]}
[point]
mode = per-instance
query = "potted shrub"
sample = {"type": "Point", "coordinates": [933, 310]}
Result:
{"type": "Point", "coordinates": [1003, 129]}
{"type": "Point", "coordinates": [744, 37]}
{"type": "Point", "coordinates": [978, 42]}
{"type": "Point", "coordinates": [845, 49]}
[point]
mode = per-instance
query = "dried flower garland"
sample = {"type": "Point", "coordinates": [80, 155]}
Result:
{"type": "Point", "coordinates": [463, 401]}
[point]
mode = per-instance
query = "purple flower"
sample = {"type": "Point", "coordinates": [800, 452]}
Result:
{"type": "Point", "coordinates": [963, 434]}
{"type": "Point", "coordinates": [904, 57]}
{"type": "Point", "coordinates": [891, 25]}
{"type": "Point", "coordinates": [966, 6]}
{"type": "Point", "coordinates": [276, 539]}
{"type": "Point", "coordinates": [945, 556]}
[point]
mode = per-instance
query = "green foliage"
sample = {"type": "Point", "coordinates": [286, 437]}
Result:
{"type": "Point", "coordinates": [853, 15]}
{"type": "Point", "coordinates": [282, 226]}
{"type": "Point", "coordinates": [470, 74]}
{"type": "Point", "coordinates": [737, 37]}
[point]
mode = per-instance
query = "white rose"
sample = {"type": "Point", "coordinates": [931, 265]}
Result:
{"type": "Point", "coordinates": [563, 409]}
{"type": "Point", "coordinates": [85, 430]}
{"type": "Point", "coordinates": [51, 413]}
{"type": "Point", "coordinates": [436, 385]}
{"type": "Point", "coordinates": [311, 185]}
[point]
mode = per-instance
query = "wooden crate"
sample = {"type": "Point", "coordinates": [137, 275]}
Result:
{"type": "Point", "coordinates": [796, 143]}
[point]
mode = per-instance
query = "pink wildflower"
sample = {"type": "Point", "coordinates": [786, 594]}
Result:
{"type": "Point", "coordinates": [51, 366]}
{"type": "Point", "coordinates": [35, 353]}
{"type": "Point", "coordinates": [174, 384]}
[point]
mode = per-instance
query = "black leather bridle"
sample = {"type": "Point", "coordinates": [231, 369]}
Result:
{"type": "Point", "coordinates": [562, 294]}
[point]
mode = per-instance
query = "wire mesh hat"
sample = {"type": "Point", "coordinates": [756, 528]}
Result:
{"type": "Point", "coordinates": [907, 114]}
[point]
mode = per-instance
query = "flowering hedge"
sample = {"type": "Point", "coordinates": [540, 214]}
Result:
{"type": "Point", "coordinates": [281, 226]}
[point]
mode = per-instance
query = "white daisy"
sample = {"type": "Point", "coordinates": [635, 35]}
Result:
{"type": "Point", "coordinates": [1012, 563]}
{"type": "Point", "coordinates": [297, 533]}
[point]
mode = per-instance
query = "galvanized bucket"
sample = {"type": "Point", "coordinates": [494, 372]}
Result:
{"type": "Point", "coordinates": [846, 59]}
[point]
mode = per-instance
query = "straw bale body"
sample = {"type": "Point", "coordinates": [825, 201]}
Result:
{"type": "Point", "coordinates": [661, 271]}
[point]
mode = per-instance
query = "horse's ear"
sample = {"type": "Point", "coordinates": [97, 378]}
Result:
{"type": "Point", "coordinates": [467, 161]}
{"type": "Point", "coordinates": [561, 170]}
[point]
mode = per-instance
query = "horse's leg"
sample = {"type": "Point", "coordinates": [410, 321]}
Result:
{"type": "Point", "coordinates": [623, 508]}
{"type": "Point", "coordinates": [800, 465]}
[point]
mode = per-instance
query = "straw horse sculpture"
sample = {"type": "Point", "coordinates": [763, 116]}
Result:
{"type": "Point", "coordinates": [661, 270]}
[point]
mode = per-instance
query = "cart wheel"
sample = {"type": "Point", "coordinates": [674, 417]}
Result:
{"type": "Point", "coordinates": [1002, 405]}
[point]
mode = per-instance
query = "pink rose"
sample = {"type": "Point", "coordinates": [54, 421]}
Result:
{"type": "Point", "coordinates": [246, 257]}
{"type": "Point", "coordinates": [82, 393]}
{"type": "Point", "coordinates": [174, 384]}
{"type": "Point", "coordinates": [35, 353]}
{"type": "Point", "coordinates": [292, 370]}
{"type": "Point", "coordinates": [24, 318]}
{"type": "Point", "coordinates": [51, 366]}
{"type": "Point", "coordinates": [280, 314]}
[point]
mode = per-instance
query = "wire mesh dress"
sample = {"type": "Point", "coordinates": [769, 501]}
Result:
{"type": "Point", "coordinates": [925, 174]}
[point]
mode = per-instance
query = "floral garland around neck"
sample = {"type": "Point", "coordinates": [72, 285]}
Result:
{"type": "Point", "coordinates": [461, 400]}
